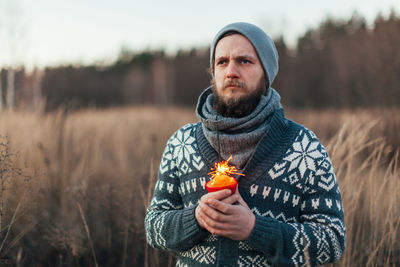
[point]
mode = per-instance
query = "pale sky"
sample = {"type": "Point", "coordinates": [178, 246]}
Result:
{"type": "Point", "coordinates": [50, 32]}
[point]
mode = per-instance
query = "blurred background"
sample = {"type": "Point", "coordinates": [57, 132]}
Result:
{"type": "Point", "coordinates": [96, 53]}
{"type": "Point", "coordinates": [90, 91]}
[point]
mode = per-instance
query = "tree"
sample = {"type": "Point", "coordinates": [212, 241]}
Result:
{"type": "Point", "coordinates": [11, 36]}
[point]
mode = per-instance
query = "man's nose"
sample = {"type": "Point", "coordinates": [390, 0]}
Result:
{"type": "Point", "coordinates": [232, 70]}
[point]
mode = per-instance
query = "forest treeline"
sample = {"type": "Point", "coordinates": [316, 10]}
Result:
{"type": "Point", "coordinates": [342, 63]}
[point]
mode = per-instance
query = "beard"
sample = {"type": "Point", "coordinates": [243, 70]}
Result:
{"type": "Point", "coordinates": [240, 106]}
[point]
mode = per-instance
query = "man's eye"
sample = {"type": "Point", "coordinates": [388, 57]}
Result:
{"type": "Point", "coordinates": [245, 61]}
{"type": "Point", "coordinates": [221, 62]}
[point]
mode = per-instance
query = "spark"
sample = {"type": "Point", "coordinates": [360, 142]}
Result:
{"type": "Point", "coordinates": [223, 168]}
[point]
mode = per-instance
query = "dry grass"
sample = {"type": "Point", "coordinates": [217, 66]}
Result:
{"type": "Point", "coordinates": [93, 171]}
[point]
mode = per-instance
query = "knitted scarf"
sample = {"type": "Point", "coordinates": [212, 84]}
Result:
{"type": "Point", "coordinates": [236, 136]}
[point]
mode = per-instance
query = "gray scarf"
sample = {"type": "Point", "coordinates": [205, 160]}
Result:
{"type": "Point", "coordinates": [236, 136]}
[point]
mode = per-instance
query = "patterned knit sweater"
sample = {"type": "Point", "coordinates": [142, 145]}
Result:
{"type": "Point", "coordinates": [289, 185]}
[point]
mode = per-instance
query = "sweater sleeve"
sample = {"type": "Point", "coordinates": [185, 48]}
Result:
{"type": "Point", "coordinates": [169, 225]}
{"type": "Point", "coordinates": [318, 237]}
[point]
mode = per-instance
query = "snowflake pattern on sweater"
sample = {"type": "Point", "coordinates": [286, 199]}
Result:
{"type": "Point", "coordinates": [289, 185]}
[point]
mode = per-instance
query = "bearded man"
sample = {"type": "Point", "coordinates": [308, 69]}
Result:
{"type": "Point", "coordinates": [287, 208]}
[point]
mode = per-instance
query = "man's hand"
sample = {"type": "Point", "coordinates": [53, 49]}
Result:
{"type": "Point", "coordinates": [226, 215]}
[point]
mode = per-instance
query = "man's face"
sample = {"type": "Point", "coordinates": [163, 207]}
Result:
{"type": "Point", "coordinates": [239, 80]}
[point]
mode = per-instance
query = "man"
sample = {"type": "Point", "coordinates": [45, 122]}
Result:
{"type": "Point", "coordinates": [287, 210]}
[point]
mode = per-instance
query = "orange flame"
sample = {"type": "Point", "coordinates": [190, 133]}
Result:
{"type": "Point", "coordinates": [223, 168]}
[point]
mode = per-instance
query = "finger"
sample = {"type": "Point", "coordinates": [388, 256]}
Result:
{"type": "Point", "coordinates": [220, 206]}
{"type": "Point", "coordinates": [231, 199]}
{"type": "Point", "coordinates": [219, 195]}
{"type": "Point", "coordinates": [213, 226]}
{"type": "Point", "coordinates": [240, 200]}
{"type": "Point", "coordinates": [213, 213]}
{"type": "Point", "coordinates": [208, 223]}
{"type": "Point", "coordinates": [201, 215]}
{"type": "Point", "coordinates": [198, 214]}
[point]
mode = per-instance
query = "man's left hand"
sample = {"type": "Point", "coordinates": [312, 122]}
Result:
{"type": "Point", "coordinates": [234, 221]}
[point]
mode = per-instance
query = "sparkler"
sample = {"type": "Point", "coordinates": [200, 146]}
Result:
{"type": "Point", "coordinates": [221, 178]}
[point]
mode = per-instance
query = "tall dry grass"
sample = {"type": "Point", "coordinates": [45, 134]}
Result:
{"type": "Point", "coordinates": [74, 186]}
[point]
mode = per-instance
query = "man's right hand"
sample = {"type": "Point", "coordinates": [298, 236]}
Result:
{"type": "Point", "coordinates": [225, 215]}
{"type": "Point", "coordinates": [225, 196]}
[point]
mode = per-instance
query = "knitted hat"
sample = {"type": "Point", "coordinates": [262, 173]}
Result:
{"type": "Point", "coordinates": [261, 42]}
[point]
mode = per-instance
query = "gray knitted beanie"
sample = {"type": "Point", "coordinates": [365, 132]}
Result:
{"type": "Point", "coordinates": [262, 43]}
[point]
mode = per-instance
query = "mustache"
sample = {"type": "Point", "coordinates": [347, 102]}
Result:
{"type": "Point", "coordinates": [234, 83]}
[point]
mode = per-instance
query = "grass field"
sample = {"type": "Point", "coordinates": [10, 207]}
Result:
{"type": "Point", "coordinates": [74, 186]}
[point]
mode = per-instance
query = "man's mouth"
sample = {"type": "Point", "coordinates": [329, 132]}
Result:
{"type": "Point", "coordinates": [234, 84]}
